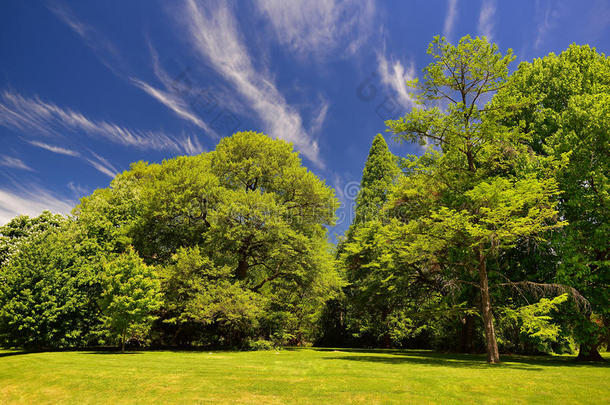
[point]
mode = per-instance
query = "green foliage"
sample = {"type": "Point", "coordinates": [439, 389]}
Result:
{"type": "Point", "coordinates": [130, 295]}
{"type": "Point", "coordinates": [477, 189]}
{"type": "Point", "coordinates": [198, 292]}
{"type": "Point", "coordinates": [380, 172]}
{"type": "Point", "coordinates": [238, 234]}
{"type": "Point", "coordinates": [49, 291]}
{"type": "Point", "coordinates": [370, 309]}
{"type": "Point", "coordinates": [261, 344]}
{"type": "Point", "coordinates": [535, 321]}
{"type": "Point", "coordinates": [569, 118]}
{"type": "Point", "coordinates": [221, 247]}
{"type": "Point", "coordinates": [19, 229]}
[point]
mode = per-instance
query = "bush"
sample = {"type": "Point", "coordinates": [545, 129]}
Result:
{"type": "Point", "coordinates": [261, 344]}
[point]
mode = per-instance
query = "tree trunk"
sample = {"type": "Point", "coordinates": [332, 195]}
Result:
{"type": "Point", "coordinates": [242, 269]}
{"type": "Point", "coordinates": [491, 344]}
{"type": "Point", "coordinates": [242, 265]}
{"type": "Point", "coordinates": [123, 341]}
{"type": "Point", "coordinates": [386, 342]}
{"type": "Point", "coordinates": [589, 352]}
{"type": "Point", "coordinates": [607, 330]}
{"type": "Point", "coordinates": [176, 334]}
{"type": "Point", "coordinates": [466, 337]}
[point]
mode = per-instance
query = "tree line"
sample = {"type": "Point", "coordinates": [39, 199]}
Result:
{"type": "Point", "coordinates": [493, 238]}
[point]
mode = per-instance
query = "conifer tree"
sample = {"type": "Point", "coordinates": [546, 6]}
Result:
{"type": "Point", "coordinates": [379, 173]}
{"type": "Point", "coordinates": [370, 306]}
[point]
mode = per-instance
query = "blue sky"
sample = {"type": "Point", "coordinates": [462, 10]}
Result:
{"type": "Point", "coordinates": [86, 88]}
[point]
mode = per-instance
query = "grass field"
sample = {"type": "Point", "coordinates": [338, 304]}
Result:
{"type": "Point", "coordinates": [312, 376]}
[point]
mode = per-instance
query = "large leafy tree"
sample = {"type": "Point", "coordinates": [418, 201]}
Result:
{"type": "Point", "coordinates": [477, 189]}
{"type": "Point", "coordinates": [50, 291]}
{"type": "Point", "coordinates": [197, 292]}
{"type": "Point", "coordinates": [255, 213]}
{"type": "Point", "coordinates": [130, 295]}
{"type": "Point", "coordinates": [570, 116]}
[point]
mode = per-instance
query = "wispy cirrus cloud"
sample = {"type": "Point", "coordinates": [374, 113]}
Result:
{"type": "Point", "coordinates": [102, 165]}
{"type": "Point", "coordinates": [44, 118]}
{"type": "Point", "coordinates": [77, 189]}
{"type": "Point", "coordinates": [216, 39]}
{"type": "Point", "coordinates": [174, 103]}
{"type": "Point", "coordinates": [30, 199]}
{"type": "Point", "coordinates": [320, 27]}
{"type": "Point", "coordinates": [450, 19]}
{"type": "Point", "coordinates": [106, 52]}
{"type": "Point", "coordinates": [91, 158]}
{"type": "Point", "coordinates": [170, 96]}
{"type": "Point", "coordinates": [320, 117]}
{"type": "Point", "coordinates": [395, 75]}
{"type": "Point", "coordinates": [487, 16]}
{"type": "Point", "coordinates": [14, 163]}
{"type": "Point", "coordinates": [109, 55]}
{"type": "Point", "coordinates": [546, 16]}
{"type": "Point", "coordinates": [54, 148]}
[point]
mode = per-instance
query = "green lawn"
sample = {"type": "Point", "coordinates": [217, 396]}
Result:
{"type": "Point", "coordinates": [296, 376]}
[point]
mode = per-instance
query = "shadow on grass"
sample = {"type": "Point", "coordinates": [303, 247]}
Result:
{"type": "Point", "coordinates": [425, 357]}
{"type": "Point", "coordinates": [111, 352]}
{"type": "Point", "coordinates": [15, 353]}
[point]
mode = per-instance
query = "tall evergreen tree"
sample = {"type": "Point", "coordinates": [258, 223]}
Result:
{"type": "Point", "coordinates": [370, 306]}
{"type": "Point", "coordinates": [380, 171]}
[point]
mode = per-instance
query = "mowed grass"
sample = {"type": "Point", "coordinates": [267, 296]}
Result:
{"type": "Point", "coordinates": [312, 376]}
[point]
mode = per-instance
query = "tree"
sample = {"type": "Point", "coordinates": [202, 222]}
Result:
{"type": "Point", "coordinates": [22, 227]}
{"type": "Point", "coordinates": [130, 296]}
{"type": "Point", "coordinates": [255, 213]}
{"type": "Point", "coordinates": [369, 307]}
{"type": "Point", "coordinates": [570, 117]}
{"type": "Point", "coordinates": [49, 291]}
{"type": "Point", "coordinates": [477, 189]}
{"type": "Point", "coordinates": [197, 292]}
{"type": "Point", "coordinates": [380, 171]}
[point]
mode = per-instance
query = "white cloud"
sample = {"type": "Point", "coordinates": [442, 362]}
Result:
{"type": "Point", "coordinates": [102, 165]}
{"type": "Point", "coordinates": [217, 40]}
{"type": "Point", "coordinates": [77, 189]}
{"type": "Point", "coordinates": [112, 59]}
{"type": "Point", "coordinates": [318, 120]}
{"type": "Point", "coordinates": [96, 161]}
{"type": "Point", "coordinates": [450, 18]}
{"type": "Point", "coordinates": [33, 115]}
{"type": "Point", "coordinates": [192, 146]}
{"type": "Point", "coordinates": [103, 49]}
{"type": "Point", "coordinates": [30, 200]}
{"type": "Point", "coordinates": [546, 20]}
{"type": "Point", "coordinates": [320, 27]}
{"type": "Point", "coordinates": [13, 162]}
{"type": "Point", "coordinates": [176, 104]}
{"type": "Point", "coordinates": [170, 97]}
{"type": "Point", "coordinates": [395, 75]}
{"type": "Point", "coordinates": [487, 14]}
{"type": "Point", "coordinates": [54, 149]}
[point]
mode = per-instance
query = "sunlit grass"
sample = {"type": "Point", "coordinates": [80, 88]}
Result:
{"type": "Point", "coordinates": [296, 376]}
